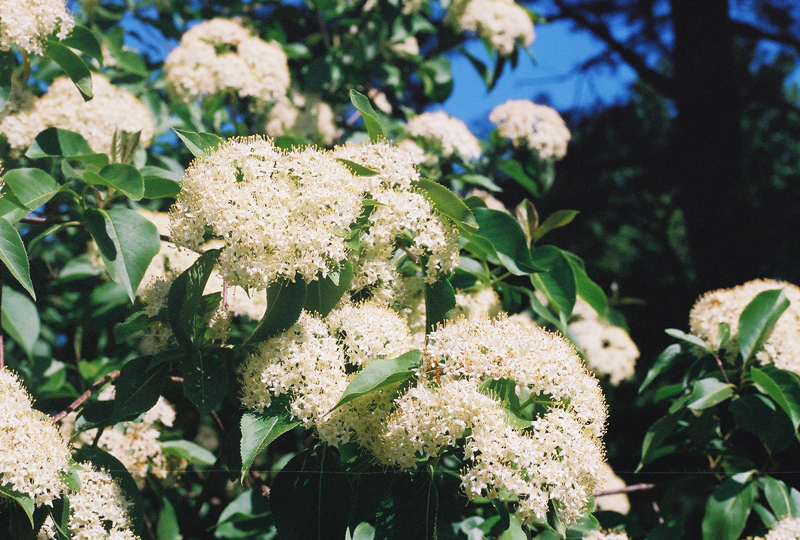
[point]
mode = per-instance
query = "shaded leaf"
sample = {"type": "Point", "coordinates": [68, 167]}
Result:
{"type": "Point", "coordinates": [437, 78]}
{"type": "Point", "coordinates": [285, 301]}
{"type": "Point", "coordinates": [324, 293]}
{"type": "Point", "coordinates": [558, 282]}
{"type": "Point", "coordinates": [688, 338]}
{"type": "Point", "coordinates": [379, 374]}
{"type": "Point", "coordinates": [440, 300]}
{"type": "Point", "coordinates": [73, 65]}
{"type": "Point", "coordinates": [56, 142]}
{"type": "Point", "coordinates": [664, 361]}
{"type": "Point", "coordinates": [259, 429]}
{"type": "Point", "coordinates": [138, 387]}
{"type": "Point", "coordinates": [777, 495]}
{"type": "Point", "coordinates": [191, 452]}
{"type": "Point", "coordinates": [185, 297]}
{"type": "Point", "coordinates": [205, 377]}
{"type": "Point", "coordinates": [707, 393]}
{"type": "Point", "coordinates": [506, 236]}
{"type": "Point", "coordinates": [516, 171]}
{"type": "Point", "coordinates": [553, 221]}
{"type": "Point", "coordinates": [7, 63]}
{"type": "Point", "coordinates": [82, 39]}
{"type": "Point", "coordinates": [783, 387]}
{"type": "Point", "coordinates": [729, 507]}
{"type": "Point", "coordinates": [167, 527]}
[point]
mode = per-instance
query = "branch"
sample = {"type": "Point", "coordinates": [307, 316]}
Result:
{"type": "Point", "coordinates": [753, 32]}
{"type": "Point", "coordinates": [658, 80]}
{"type": "Point", "coordinates": [83, 397]}
{"type": "Point", "coordinates": [626, 489]}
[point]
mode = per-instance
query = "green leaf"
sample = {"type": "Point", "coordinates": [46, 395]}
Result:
{"type": "Point", "coordinates": [657, 434]}
{"type": "Point", "coordinates": [757, 320]}
{"type": "Point", "coordinates": [553, 221]}
{"type": "Point", "coordinates": [514, 531]}
{"type": "Point", "coordinates": [205, 377]}
{"type": "Point", "coordinates": [364, 531]}
{"type": "Point", "coordinates": [371, 118]}
{"type": "Point", "coordinates": [156, 187]}
{"type": "Point", "coordinates": [516, 171]}
{"type": "Point", "coordinates": [7, 63]}
{"type": "Point", "coordinates": [20, 319]}
{"type": "Point", "coordinates": [689, 338]}
{"type": "Point", "coordinates": [409, 508]}
{"type": "Point", "coordinates": [23, 501]}
{"type": "Point", "coordinates": [133, 324]}
{"type": "Point", "coordinates": [783, 387]}
{"type": "Point", "coordinates": [191, 452]}
{"type": "Point", "coordinates": [448, 204]}
{"type": "Point", "coordinates": [355, 168]}
{"type": "Point", "coordinates": [558, 282]}
{"type": "Point", "coordinates": [31, 187]}
{"type": "Point", "coordinates": [380, 374]}
{"type": "Point", "coordinates": [167, 527]}
{"type": "Point", "coordinates": [724, 334]}
{"type": "Point", "coordinates": [437, 78]}
{"type": "Point", "coordinates": [440, 300]}
{"type": "Point", "coordinates": [247, 516]}
{"type": "Point", "coordinates": [259, 429]}
{"type": "Point", "coordinates": [185, 296]}
{"type": "Point", "coordinates": [760, 415]}
{"type": "Point", "coordinates": [199, 144]}
{"type": "Point", "coordinates": [671, 529]}
{"type": "Point", "coordinates": [587, 289]}
{"type": "Point", "coordinates": [285, 301]}
{"type": "Point", "coordinates": [506, 236]}
{"type": "Point", "coordinates": [777, 495]}
{"type": "Point", "coordinates": [56, 142]}
{"type": "Point", "coordinates": [476, 180]}
{"type": "Point", "coordinates": [707, 393]}
{"type": "Point", "coordinates": [138, 387]}
{"type": "Point", "coordinates": [73, 65]}
{"type": "Point", "coordinates": [767, 518]}
{"type": "Point", "coordinates": [82, 39]}
{"type": "Point", "coordinates": [324, 293]}
{"type": "Point", "coordinates": [14, 256]}
{"type": "Point", "coordinates": [664, 361]}
{"type": "Point", "coordinates": [729, 507]}
{"type": "Point", "coordinates": [128, 242]}
{"type": "Point", "coordinates": [120, 176]}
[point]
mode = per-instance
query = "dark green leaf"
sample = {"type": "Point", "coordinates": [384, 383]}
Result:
{"type": "Point", "coordinates": [553, 221]}
{"type": "Point", "coordinates": [120, 176]}
{"type": "Point", "coordinates": [483, 70]}
{"type": "Point", "coordinates": [128, 242]}
{"type": "Point", "coordinates": [587, 289]}
{"type": "Point", "coordinates": [783, 387]}
{"type": "Point", "coordinates": [558, 282]}
{"type": "Point", "coordinates": [707, 393]}
{"type": "Point", "coordinates": [767, 518]}
{"type": "Point", "coordinates": [191, 452]}
{"type": "Point", "coordinates": [97, 414]}
{"type": "Point", "coordinates": [508, 240]}
{"type": "Point", "coordinates": [355, 168]}
{"type": "Point", "coordinates": [437, 78]}
{"type": "Point", "coordinates": [440, 300]}
{"type": "Point", "coordinates": [689, 338]}
{"type": "Point", "coordinates": [73, 65]}
{"type": "Point", "coordinates": [516, 171]}
{"type": "Point", "coordinates": [247, 516]}
{"type": "Point", "coordinates": [724, 334]}
{"type": "Point", "coordinates": [205, 377]}
{"type": "Point", "coordinates": [24, 502]}
{"type": "Point", "coordinates": [56, 142]}
{"type": "Point", "coordinates": [259, 429]}
{"type": "Point", "coordinates": [408, 509]}
{"type": "Point", "coordinates": [20, 319]}
{"type": "Point", "coordinates": [167, 527]}
{"type": "Point", "coordinates": [14, 256]}
{"type": "Point", "coordinates": [447, 203]}
{"type": "Point", "coordinates": [729, 507]}
{"type": "Point", "coordinates": [199, 144]}
{"type": "Point", "coordinates": [760, 415]}
{"type": "Point", "coordinates": [379, 374]}
{"type": "Point", "coordinates": [324, 293]}
{"type": "Point", "coordinates": [31, 187]}
{"type": "Point", "coordinates": [133, 324]}
{"type": "Point", "coordinates": [82, 39]}
{"type": "Point", "coordinates": [657, 434]}
{"type": "Point", "coordinates": [514, 531]}
{"type": "Point", "coordinates": [528, 218]}
{"type": "Point", "coordinates": [156, 187]}
{"type": "Point", "coordinates": [7, 63]}
{"type": "Point", "coordinates": [669, 530]}
{"type": "Point", "coordinates": [185, 296]}
{"type": "Point", "coordinates": [777, 495]}
{"type": "Point", "coordinates": [664, 361]}
{"type": "Point", "coordinates": [371, 119]}
{"type": "Point", "coordinates": [757, 319]}
{"type": "Point", "coordinates": [138, 387]}
{"type": "Point", "coordinates": [285, 301]}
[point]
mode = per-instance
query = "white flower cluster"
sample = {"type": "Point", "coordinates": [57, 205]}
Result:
{"type": "Point", "coordinates": [616, 502]}
{"type": "Point", "coordinates": [480, 304]}
{"type": "Point", "coordinates": [307, 116]}
{"type": "Point", "coordinates": [609, 535]}
{"type": "Point", "coordinates": [787, 528]}
{"type": "Point", "coordinates": [502, 23]}
{"type": "Point", "coordinates": [62, 106]}
{"type": "Point", "coordinates": [28, 23]}
{"type": "Point", "coordinates": [609, 350]}
{"type": "Point", "coordinates": [33, 455]}
{"type": "Point", "coordinates": [221, 55]}
{"type": "Point", "coordinates": [782, 346]}
{"type": "Point", "coordinates": [443, 135]}
{"type": "Point", "coordinates": [538, 127]}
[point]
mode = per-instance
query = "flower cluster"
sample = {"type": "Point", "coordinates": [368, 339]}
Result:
{"type": "Point", "coordinates": [221, 55]}
{"type": "Point", "coordinates": [481, 304]}
{"type": "Point", "coordinates": [786, 529]}
{"type": "Point", "coordinates": [110, 109]}
{"type": "Point", "coordinates": [502, 23]}
{"type": "Point", "coordinates": [538, 127]}
{"type": "Point", "coordinates": [443, 135]}
{"type": "Point", "coordinates": [28, 23]}
{"type": "Point", "coordinates": [609, 350]}
{"type": "Point", "coordinates": [616, 502]}
{"type": "Point", "coordinates": [609, 535]}
{"type": "Point", "coordinates": [307, 116]}
{"type": "Point", "coordinates": [782, 346]}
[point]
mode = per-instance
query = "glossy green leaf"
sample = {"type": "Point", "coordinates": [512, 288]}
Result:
{"type": "Point", "coordinates": [371, 118]}
{"type": "Point", "coordinates": [447, 203]}
{"type": "Point", "coordinates": [138, 387]}
{"type": "Point", "coordinates": [259, 430]}
{"type": "Point", "coordinates": [7, 63]}
{"type": "Point", "coordinates": [508, 240]}
{"type": "Point", "coordinates": [191, 452]}
{"type": "Point", "coordinates": [760, 415]}
{"type": "Point", "coordinates": [729, 507]}
{"type": "Point", "coordinates": [514, 531]}
{"type": "Point", "coordinates": [56, 142]}
{"type": "Point", "coordinates": [128, 242]}
{"type": "Point", "coordinates": [199, 144]}
{"type": "Point", "coordinates": [205, 377]}
{"type": "Point", "coordinates": [364, 531]}
{"type": "Point", "coordinates": [31, 187]}
{"type": "Point", "coordinates": [553, 221]}
{"type": "Point", "coordinates": [557, 282]}
{"type": "Point", "coordinates": [120, 176]}
{"type": "Point", "coordinates": [324, 293]}
{"type": "Point", "coordinates": [355, 168]}
{"type": "Point", "coordinates": [23, 501]}
{"type": "Point", "coordinates": [73, 65]}
{"type": "Point", "coordinates": [82, 39]}
{"type": "Point", "coordinates": [724, 333]}
{"type": "Point", "coordinates": [528, 218]}
{"type": "Point", "coordinates": [133, 324]}
{"type": "Point", "coordinates": [689, 338]}
{"type": "Point", "coordinates": [476, 180]}
{"type": "Point", "coordinates": [586, 288]}
{"type": "Point", "coordinates": [285, 301]}
{"type": "Point", "coordinates": [247, 516]}
{"type": "Point", "coordinates": [14, 256]}
{"type": "Point", "coordinates": [707, 393]}
{"type": "Point", "coordinates": [783, 387]}
{"type": "Point", "coordinates": [440, 300]}
{"type": "Point", "coordinates": [777, 495]}
{"type": "Point", "coordinates": [757, 320]}
{"type": "Point", "coordinates": [379, 374]}
{"type": "Point", "coordinates": [767, 518]}
{"type": "Point", "coordinates": [167, 527]}
{"type": "Point", "coordinates": [156, 187]}
{"type": "Point", "coordinates": [516, 171]}
{"type": "Point", "coordinates": [185, 296]}
{"type": "Point", "coordinates": [664, 361]}
{"type": "Point", "coordinates": [437, 78]}
{"type": "Point", "coordinates": [20, 319]}
{"type": "Point", "coordinates": [658, 433]}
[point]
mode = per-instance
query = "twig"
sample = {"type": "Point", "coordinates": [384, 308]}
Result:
{"type": "Point", "coordinates": [86, 395]}
{"type": "Point", "coordinates": [218, 424]}
{"type": "Point", "coordinates": [176, 379]}
{"type": "Point", "coordinates": [97, 437]}
{"type": "Point", "coordinates": [626, 489]}
{"type": "Point", "coordinates": [722, 369]}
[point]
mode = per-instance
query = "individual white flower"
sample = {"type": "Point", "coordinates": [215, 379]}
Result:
{"type": "Point", "coordinates": [538, 127]}
{"type": "Point", "coordinates": [28, 23]}
{"type": "Point", "coordinates": [110, 109]}
{"type": "Point", "coordinates": [617, 502]}
{"type": "Point", "coordinates": [221, 55]}
{"type": "Point", "coordinates": [782, 345]}
{"type": "Point", "coordinates": [502, 23]}
{"type": "Point", "coordinates": [33, 454]}
{"type": "Point", "coordinates": [444, 135]}
{"type": "Point", "coordinates": [278, 214]}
